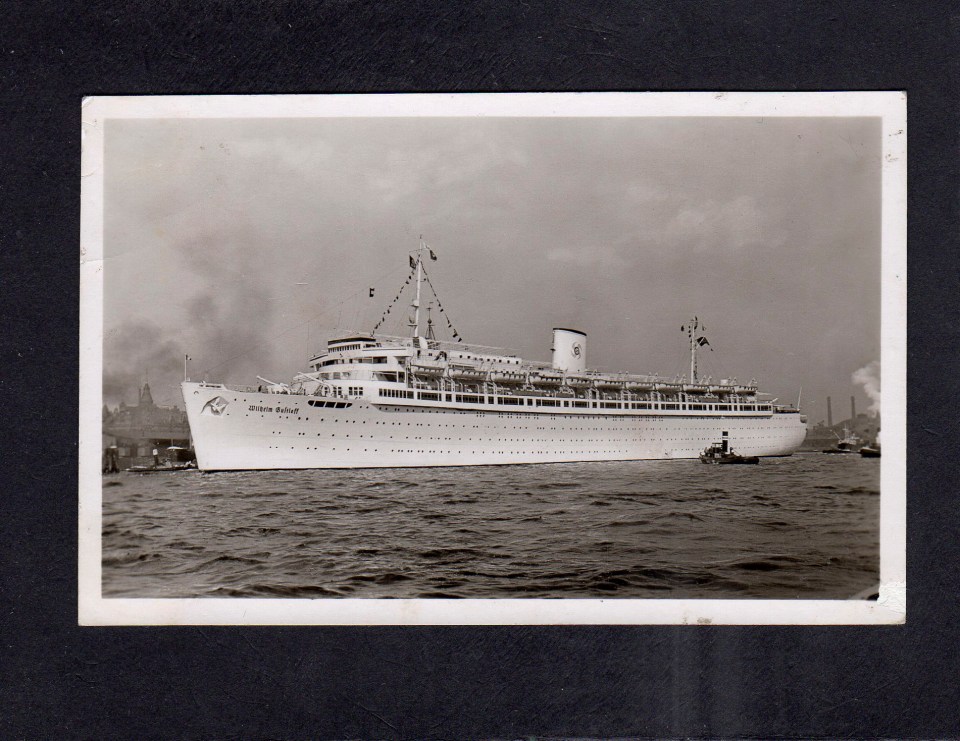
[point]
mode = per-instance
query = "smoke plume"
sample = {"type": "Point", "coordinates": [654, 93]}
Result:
{"type": "Point", "coordinates": [134, 352]}
{"type": "Point", "coordinates": [226, 329]}
{"type": "Point", "coordinates": [869, 377]}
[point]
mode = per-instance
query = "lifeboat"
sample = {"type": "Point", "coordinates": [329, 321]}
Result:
{"type": "Point", "coordinates": [508, 377]}
{"type": "Point", "coordinates": [467, 373]}
{"type": "Point", "coordinates": [667, 389]}
{"type": "Point", "coordinates": [430, 368]}
{"type": "Point", "coordinates": [546, 378]}
{"type": "Point", "coordinates": [609, 382]}
{"type": "Point", "coordinates": [579, 381]}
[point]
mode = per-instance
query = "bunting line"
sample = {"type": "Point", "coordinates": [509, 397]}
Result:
{"type": "Point", "coordinates": [396, 298]}
{"type": "Point", "coordinates": [453, 329]}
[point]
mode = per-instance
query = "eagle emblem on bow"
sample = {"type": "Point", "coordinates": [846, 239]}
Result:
{"type": "Point", "coordinates": [215, 406]}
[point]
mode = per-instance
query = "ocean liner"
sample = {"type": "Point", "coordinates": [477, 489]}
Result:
{"type": "Point", "coordinates": [372, 400]}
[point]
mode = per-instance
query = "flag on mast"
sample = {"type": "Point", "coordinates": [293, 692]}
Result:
{"type": "Point", "coordinates": [433, 255]}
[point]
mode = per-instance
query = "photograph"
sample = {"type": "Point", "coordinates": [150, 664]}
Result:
{"type": "Point", "coordinates": [553, 358]}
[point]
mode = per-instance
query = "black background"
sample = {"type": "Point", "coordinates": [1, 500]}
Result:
{"type": "Point", "coordinates": [61, 681]}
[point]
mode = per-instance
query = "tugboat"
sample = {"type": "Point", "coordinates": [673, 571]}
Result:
{"type": "Point", "coordinates": [870, 451]}
{"type": "Point", "coordinates": [719, 453]}
{"type": "Point", "coordinates": [848, 444]}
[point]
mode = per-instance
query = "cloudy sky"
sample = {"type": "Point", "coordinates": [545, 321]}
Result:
{"type": "Point", "coordinates": [246, 243]}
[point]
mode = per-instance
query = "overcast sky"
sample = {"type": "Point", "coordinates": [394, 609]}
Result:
{"type": "Point", "coordinates": [767, 229]}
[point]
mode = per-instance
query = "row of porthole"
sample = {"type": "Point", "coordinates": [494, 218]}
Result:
{"type": "Point", "coordinates": [546, 440]}
{"type": "Point", "coordinates": [481, 452]}
{"type": "Point", "coordinates": [501, 415]}
{"type": "Point", "coordinates": [508, 452]}
{"type": "Point", "coordinates": [710, 432]}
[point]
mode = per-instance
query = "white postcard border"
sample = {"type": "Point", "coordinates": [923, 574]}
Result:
{"type": "Point", "coordinates": [94, 609]}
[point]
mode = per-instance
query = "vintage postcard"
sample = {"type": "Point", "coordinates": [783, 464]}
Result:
{"type": "Point", "coordinates": [598, 358]}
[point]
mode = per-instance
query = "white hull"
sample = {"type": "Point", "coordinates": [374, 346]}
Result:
{"type": "Point", "coordinates": [243, 430]}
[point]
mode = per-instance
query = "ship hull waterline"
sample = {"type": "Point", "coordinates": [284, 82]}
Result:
{"type": "Point", "coordinates": [249, 430]}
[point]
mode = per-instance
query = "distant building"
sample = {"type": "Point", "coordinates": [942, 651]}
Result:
{"type": "Point", "coordinates": [137, 430]}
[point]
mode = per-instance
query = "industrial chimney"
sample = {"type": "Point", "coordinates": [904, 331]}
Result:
{"type": "Point", "coordinates": [569, 350]}
{"type": "Point", "coordinates": [853, 408]}
{"type": "Point", "coordinates": [829, 414]}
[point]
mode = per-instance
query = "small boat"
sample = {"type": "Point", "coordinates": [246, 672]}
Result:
{"type": "Point", "coordinates": [869, 451]}
{"type": "Point", "coordinates": [173, 468]}
{"type": "Point", "coordinates": [849, 444]}
{"type": "Point", "coordinates": [178, 459]}
{"type": "Point", "coordinates": [719, 454]}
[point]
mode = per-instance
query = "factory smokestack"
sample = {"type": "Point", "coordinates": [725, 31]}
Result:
{"type": "Point", "coordinates": [829, 413]}
{"type": "Point", "coordinates": [853, 407]}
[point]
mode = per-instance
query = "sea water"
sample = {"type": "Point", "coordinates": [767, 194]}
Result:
{"type": "Point", "coordinates": [804, 526]}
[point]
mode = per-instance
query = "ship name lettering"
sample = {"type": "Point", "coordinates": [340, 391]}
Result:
{"type": "Point", "coordinates": [258, 408]}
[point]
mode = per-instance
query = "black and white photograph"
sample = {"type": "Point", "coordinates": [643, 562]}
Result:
{"type": "Point", "coordinates": [493, 359]}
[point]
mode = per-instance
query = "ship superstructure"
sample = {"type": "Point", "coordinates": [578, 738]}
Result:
{"type": "Point", "coordinates": [372, 400]}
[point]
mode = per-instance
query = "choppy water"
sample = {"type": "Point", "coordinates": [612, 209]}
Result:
{"type": "Point", "coordinates": [804, 526]}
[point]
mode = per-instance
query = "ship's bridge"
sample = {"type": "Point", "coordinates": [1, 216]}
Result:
{"type": "Point", "coordinates": [352, 342]}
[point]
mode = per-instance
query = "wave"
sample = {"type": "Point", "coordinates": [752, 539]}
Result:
{"type": "Point", "coordinates": [387, 578]}
{"type": "Point", "coordinates": [232, 559]}
{"type": "Point", "coordinates": [292, 591]}
{"type": "Point", "coordinates": [122, 559]}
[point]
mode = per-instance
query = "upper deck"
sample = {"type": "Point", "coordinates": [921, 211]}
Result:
{"type": "Point", "coordinates": [417, 370]}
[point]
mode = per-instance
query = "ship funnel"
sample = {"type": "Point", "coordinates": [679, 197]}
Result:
{"type": "Point", "coordinates": [569, 350]}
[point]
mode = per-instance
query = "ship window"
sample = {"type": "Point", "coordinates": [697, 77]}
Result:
{"type": "Point", "coordinates": [329, 404]}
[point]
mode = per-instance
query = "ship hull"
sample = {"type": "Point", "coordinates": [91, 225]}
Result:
{"type": "Point", "coordinates": [244, 430]}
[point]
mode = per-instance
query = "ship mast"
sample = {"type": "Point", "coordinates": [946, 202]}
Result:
{"type": "Point", "coordinates": [416, 301]}
{"type": "Point", "coordinates": [692, 327]}
{"type": "Point", "coordinates": [430, 333]}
